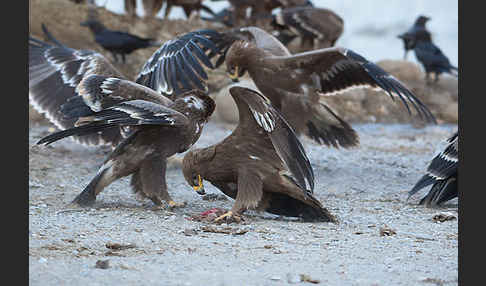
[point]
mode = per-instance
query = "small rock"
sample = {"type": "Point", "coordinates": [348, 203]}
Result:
{"type": "Point", "coordinates": [102, 264]}
{"type": "Point", "coordinates": [444, 216]}
{"type": "Point", "coordinates": [387, 231]}
{"type": "Point", "coordinates": [307, 278]}
{"type": "Point", "coordinates": [118, 246]}
{"type": "Point", "coordinates": [112, 253]}
{"type": "Point", "coordinates": [436, 281]}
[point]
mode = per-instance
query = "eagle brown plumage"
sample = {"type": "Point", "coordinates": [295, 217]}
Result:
{"type": "Point", "coordinates": [316, 27]}
{"type": "Point", "coordinates": [56, 70]}
{"type": "Point", "coordinates": [131, 7]}
{"type": "Point", "coordinates": [153, 128]}
{"type": "Point", "coordinates": [88, 99]}
{"type": "Point", "coordinates": [297, 84]}
{"type": "Point", "coordinates": [259, 10]}
{"type": "Point", "coordinates": [262, 164]}
{"type": "Point", "coordinates": [152, 7]}
{"type": "Point", "coordinates": [54, 73]}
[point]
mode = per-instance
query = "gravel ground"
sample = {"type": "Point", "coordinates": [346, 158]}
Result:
{"type": "Point", "coordinates": [381, 238]}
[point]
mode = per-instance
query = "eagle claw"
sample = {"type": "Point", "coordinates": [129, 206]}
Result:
{"type": "Point", "coordinates": [173, 204]}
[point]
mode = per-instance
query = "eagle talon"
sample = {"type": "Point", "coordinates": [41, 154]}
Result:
{"type": "Point", "coordinates": [173, 204]}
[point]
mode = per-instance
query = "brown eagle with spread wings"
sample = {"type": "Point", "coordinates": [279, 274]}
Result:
{"type": "Point", "coordinates": [89, 100]}
{"type": "Point", "coordinates": [296, 84]}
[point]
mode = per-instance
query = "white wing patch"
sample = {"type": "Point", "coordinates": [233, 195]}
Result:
{"type": "Point", "coordinates": [89, 64]}
{"type": "Point", "coordinates": [194, 102]}
{"type": "Point", "coordinates": [446, 157]}
{"type": "Point", "coordinates": [254, 157]}
{"type": "Point", "coordinates": [265, 120]}
{"type": "Point", "coordinates": [107, 85]}
{"type": "Point", "coordinates": [336, 92]}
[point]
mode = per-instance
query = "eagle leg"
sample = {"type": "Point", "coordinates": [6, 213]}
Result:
{"type": "Point", "coordinates": [88, 196]}
{"type": "Point", "coordinates": [150, 182]}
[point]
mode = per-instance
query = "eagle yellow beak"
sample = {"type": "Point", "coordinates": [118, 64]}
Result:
{"type": "Point", "coordinates": [199, 188]}
{"type": "Point", "coordinates": [234, 76]}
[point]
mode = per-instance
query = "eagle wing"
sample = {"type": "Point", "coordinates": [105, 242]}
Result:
{"type": "Point", "coordinates": [256, 112]}
{"type": "Point", "coordinates": [335, 70]}
{"type": "Point", "coordinates": [54, 73]}
{"type": "Point", "coordinates": [128, 113]}
{"type": "Point", "coordinates": [442, 166]}
{"type": "Point", "coordinates": [178, 65]}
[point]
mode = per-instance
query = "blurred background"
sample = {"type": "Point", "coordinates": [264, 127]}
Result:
{"type": "Point", "coordinates": [370, 27]}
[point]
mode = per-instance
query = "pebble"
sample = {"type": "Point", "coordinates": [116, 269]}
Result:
{"type": "Point", "coordinates": [275, 278]}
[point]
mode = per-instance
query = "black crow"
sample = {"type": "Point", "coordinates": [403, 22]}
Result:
{"type": "Point", "coordinates": [117, 42]}
{"type": "Point", "coordinates": [433, 60]}
{"type": "Point", "coordinates": [417, 32]}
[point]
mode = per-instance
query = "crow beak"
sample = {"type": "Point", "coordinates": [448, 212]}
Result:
{"type": "Point", "coordinates": [199, 188]}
